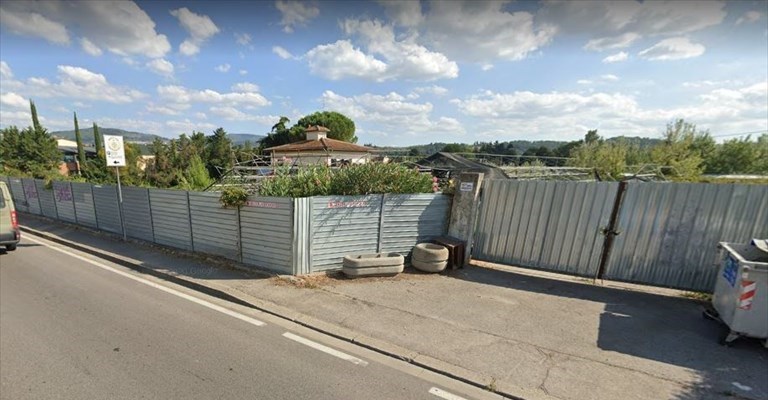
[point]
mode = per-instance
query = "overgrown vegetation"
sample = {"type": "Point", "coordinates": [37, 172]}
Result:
{"type": "Point", "coordinates": [363, 179]}
{"type": "Point", "coordinates": [233, 197]}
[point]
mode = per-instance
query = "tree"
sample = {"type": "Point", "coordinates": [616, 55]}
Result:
{"type": "Point", "coordinates": [592, 137]}
{"type": "Point", "coordinates": [457, 148]}
{"type": "Point", "coordinates": [279, 135]}
{"type": "Point", "coordinates": [607, 159]}
{"type": "Point", "coordinates": [680, 152]}
{"type": "Point", "coordinates": [96, 137]}
{"type": "Point", "coordinates": [79, 140]}
{"type": "Point", "coordinates": [35, 120]}
{"type": "Point", "coordinates": [414, 152]}
{"type": "Point", "coordinates": [735, 156]}
{"type": "Point", "coordinates": [30, 151]}
{"type": "Point", "coordinates": [219, 151]}
{"type": "Point", "coordinates": [196, 176]}
{"type": "Point", "coordinates": [340, 126]}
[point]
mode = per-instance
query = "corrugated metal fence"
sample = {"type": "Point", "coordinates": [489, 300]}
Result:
{"type": "Point", "coordinates": [668, 232]}
{"type": "Point", "coordinates": [288, 236]}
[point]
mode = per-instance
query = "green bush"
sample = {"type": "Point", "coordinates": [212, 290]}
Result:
{"type": "Point", "coordinates": [372, 178]}
{"type": "Point", "coordinates": [233, 196]}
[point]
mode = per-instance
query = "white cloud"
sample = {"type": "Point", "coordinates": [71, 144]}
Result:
{"type": "Point", "coordinates": [484, 31]}
{"type": "Point", "coordinates": [677, 48]}
{"type": "Point", "coordinates": [749, 17]}
{"type": "Point", "coordinates": [223, 68]}
{"type": "Point", "coordinates": [434, 89]}
{"type": "Point", "coordinates": [200, 28]}
{"type": "Point", "coordinates": [201, 115]}
{"type": "Point", "coordinates": [243, 72]}
{"type": "Point", "coordinates": [391, 112]}
{"type": "Point", "coordinates": [400, 59]}
{"type": "Point", "coordinates": [296, 13]}
{"type": "Point", "coordinates": [5, 70]}
{"type": "Point", "coordinates": [75, 83]}
{"type": "Point", "coordinates": [161, 66]}
{"type": "Point", "coordinates": [120, 27]}
{"type": "Point", "coordinates": [610, 43]}
{"type": "Point", "coordinates": [89, 47]}
{"type": "Point", "coordinates": [245, 87]}
{"type": "Point", "coordinates": [609, 77]}
{"type": "Point", "coordinates": [341, 60]}
{"type": "Point", "coordinates": [157, 109]}
{"type": "Point", "coordinates": [13, 100]}
{"type": "Point", "coordinates": [405, 13]}
{"type": "Point", "coordinates": [233, 114]}
{"type": "Point", "coordinates": [183, 95]}
{"type": "Point", "coordinates": [243, 39]}
{"type": "Point", "coordinates": [282, 53]}
{"type": "Point", "coordinates": [615, 24]}
{"type": "Point", "coordinates": [186, 126]}
{"type": "Point", "coordinates": [486, 67]}
{"type": "Point", "coordinates": [584, 82]}
{"type": "Point", "coordinates": [618, 57]}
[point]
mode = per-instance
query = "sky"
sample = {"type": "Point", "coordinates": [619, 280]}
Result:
{"type": "Point", "coordinates": [406, 72]}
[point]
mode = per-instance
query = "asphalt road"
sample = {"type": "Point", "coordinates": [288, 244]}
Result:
{"type": "Point", "coordinates": [76, 327]}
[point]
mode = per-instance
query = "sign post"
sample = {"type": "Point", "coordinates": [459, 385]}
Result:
{"type": "Point", "coordinates": [115, 154]}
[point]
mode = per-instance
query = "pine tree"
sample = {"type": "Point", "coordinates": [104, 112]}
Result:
{"type": "Point", "coordinates": [219, 151]}
{"type": "Point", "coordinates": [96, 137]}
{"type": "Point", "coordinates": [80, 150]}
{"type": "Point", "coordinates": [35, 121]}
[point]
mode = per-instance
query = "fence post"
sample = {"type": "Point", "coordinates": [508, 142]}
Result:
{"type": "Point", "coordinates": [610, 231]}
{"type": "Point", "coordinates": [93, 204]}
{"type": "Point", "coordinates": [464, 210]}
{"type": "Point", "coordinates": [189, 217]}
{"type": "Point", "coordinates": [239, 236]}
{"type": "Point", "coordinates": [301, 248]}
{"type": "Point", "coordinates": [72, 197]}
{"type": "Point", "coordinates": [151, 218]}
{"type": "Point", "coordinates": [381, 223]}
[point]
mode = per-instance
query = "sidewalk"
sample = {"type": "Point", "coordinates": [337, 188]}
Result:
{"type": "Point", "coordinates": [527, 335]}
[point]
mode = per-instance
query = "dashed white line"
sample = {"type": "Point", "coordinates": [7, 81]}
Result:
{"type": "Point", "coordinates": [445, 395]}
{"type": "Point", "coordinates": [325, 349]}
{"type": "Point", "coordinates": [185, 296]}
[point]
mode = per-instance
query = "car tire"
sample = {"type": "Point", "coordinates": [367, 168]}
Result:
{"type": "Point", "coordinates": [10, 247]}
{"type": "Point", "coordinates": [430, 252]}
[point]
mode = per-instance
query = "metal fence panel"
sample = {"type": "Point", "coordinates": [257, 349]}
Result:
{"type": "Point", "coordinates": [136, 213]}
{"type": "Point", "coordinates": [170, 218]}
{"type": "Point", "coordinates": [670, 231]}
{"type": "Point", "coordinates": [266, 229]}
{"type": "Point", "coordinates": [411, 219]}
{"type": "Point", "coordinates": [547, 225]}
{"type": "Point", "coordinates": [343, 225]}
{"type": "Point", "coordinates": [65, 205]}
{"type": "Point", "coordinates": [107, 208]}
{"type": "Point", "coordinates": [47, 203]}
{"type": "Point", "coordinates": [215, 229]}
{"type": "Point", "coordinates": [33, 198]}
{"type": "Point", "coordinates": [17, 192]}
{"type": "Point", "coordinates": [84, 209]}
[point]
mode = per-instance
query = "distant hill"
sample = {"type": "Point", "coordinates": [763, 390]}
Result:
{"type": "Point", "coordinates": [241, 138]}
{"type": "Point", "coordinates": [128, 136]}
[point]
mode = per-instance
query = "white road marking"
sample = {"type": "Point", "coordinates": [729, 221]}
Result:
{"type": "Point", "coordinates": [185, 296]}
{"type": "Point", "coordinates": [325, 349]}
{"type": "Point", "coordinates": [445, 395]}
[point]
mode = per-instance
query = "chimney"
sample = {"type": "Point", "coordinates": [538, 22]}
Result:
{"type": "Point", "coordinates": [316, 132]}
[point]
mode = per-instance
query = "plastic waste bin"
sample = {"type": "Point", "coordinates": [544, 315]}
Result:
{"type": "Point", "coordinates": [740, 298]}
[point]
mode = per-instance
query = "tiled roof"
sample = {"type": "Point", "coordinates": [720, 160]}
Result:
{"type": "Point", "coordinates": [324, 144]}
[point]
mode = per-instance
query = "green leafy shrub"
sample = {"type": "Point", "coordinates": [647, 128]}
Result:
{"type": "Point", "coordinates": [306, 182]}
{"type": "Point", "coordinates": [233, 196]}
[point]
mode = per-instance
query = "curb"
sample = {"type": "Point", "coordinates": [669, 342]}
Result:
{"type": "Point", "coordinates": [378, 346]}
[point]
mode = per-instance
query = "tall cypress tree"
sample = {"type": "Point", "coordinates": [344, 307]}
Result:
{"type": "Point", "coordinates": [80, 150]}
{"type": "Point", "coordinates": [35, 121]}
{"type": "Point", "coordinates": [96, 137]}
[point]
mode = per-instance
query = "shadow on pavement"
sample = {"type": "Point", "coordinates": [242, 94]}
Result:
{"type": "Point", "coordinates": [666, 329]}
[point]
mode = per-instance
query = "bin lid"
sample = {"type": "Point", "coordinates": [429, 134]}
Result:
{"type": "Point", "coordinates": [761, 244]}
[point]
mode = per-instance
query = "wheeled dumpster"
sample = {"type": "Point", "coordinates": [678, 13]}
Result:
{"type": "Point", "coordinates": [740, 298]}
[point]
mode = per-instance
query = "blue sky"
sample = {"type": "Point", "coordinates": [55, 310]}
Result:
{"type": "Point", "coordinates": [406, 72]}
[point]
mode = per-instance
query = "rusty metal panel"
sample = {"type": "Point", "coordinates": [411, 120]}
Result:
{"type": "Point", "coordinates": [550, 225]}
{"type": "Point", "coordinates": [170, 218]}
{"type": "Point", "coordinates": [215, 229]}
{"type": "Point", "coordinates": [413, 218]}
{"type": "Point", "coordinates": [266, 232]}
{"type": "Point", "coordinates": [670, 231]}
{"type": "Point", "coordinates": [65, 205]}
{"type": "Point", "coordinates": [343, 225]}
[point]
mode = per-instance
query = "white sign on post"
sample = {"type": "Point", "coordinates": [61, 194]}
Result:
{"type": "Point", "coordinates": [113, 148]}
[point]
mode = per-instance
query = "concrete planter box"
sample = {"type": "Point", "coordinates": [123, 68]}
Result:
{"type": "Point", "coordinates": [375, 264]}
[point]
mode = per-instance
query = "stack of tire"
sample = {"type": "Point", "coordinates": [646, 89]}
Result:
{"type": "Point", "coordinates": [429, 257]}
{"type": "Point", "coordinates": [377, 264]}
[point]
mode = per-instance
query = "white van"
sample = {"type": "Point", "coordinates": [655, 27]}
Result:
{"type": "Point", "coordinates": [9, 223]}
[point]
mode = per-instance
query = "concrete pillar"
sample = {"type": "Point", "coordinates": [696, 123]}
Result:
{"type": "Point", "coordinates": [464, 209]}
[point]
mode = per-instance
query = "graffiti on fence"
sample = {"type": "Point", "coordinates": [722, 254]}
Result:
{"type": "Point", "coordinates": [63, 193]}
{"type": "Point", "coordinates": [30, 190]}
